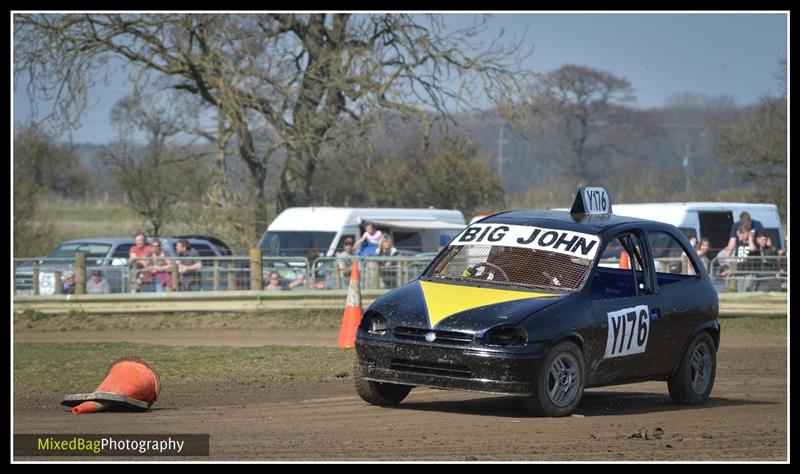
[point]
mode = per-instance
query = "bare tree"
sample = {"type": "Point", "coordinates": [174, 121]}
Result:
{"type": "Point", "coordinates": [294, 74]}
{"type": "Point", "coordinates": [582, 100]}
{"type": "Point", "coordinates": [157, 176]}
{"type": "Point", "coordinates": [756, 147]}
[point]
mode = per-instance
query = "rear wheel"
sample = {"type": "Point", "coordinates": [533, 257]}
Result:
{"type": "Point", "coordinates": [378, 393]}
{"type": "Point", "coordinates": [691, 384]}
{"type": "Point", "coordinates": [560, 385]}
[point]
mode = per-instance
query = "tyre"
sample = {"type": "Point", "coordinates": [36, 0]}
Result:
{"type": "Point", "coordinates": [379, 393]}
{"type": "Point", "coordinates": [691, 384]}
{"type": "Point", "coordinates": [559, 387]}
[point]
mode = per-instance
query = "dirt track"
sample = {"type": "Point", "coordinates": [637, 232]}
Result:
{"type": "Point", "coordinates": [745, 420]}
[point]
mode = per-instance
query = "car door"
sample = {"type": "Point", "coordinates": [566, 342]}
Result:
{"type": "Point", "coordinates": [626, 311]}
{"type": "Point", "coordinates": [684, 297]}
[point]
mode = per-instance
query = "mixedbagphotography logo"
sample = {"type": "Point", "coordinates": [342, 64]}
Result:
{"type": "Point", "coordinates": [111, 445]}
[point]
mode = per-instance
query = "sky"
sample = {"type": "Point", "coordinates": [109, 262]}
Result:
{"type": "Point", "coordinates": [661, 54]}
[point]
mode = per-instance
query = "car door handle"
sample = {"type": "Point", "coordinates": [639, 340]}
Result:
{"type": "Point", "coordinates": [655, 314]}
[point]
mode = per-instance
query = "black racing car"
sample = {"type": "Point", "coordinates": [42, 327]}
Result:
{"type": "Point", "coordinates": [542, 304]}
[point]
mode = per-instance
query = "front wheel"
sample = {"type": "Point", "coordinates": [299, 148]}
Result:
{"type": "Point", "coordinates": [691, 384]}
{"type": "Point", "coordinates": [378, 393]}
{"type": "Point", "coordinates": [560, 385]}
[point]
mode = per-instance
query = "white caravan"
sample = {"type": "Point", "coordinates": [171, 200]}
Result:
{"type": "Point", "coordinates": [710, 220]}
{"type": "Point", "coordinates": [298, 229]}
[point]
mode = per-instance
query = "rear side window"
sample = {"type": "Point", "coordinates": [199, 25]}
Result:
{"type": "Point", "coordinates": [204, 250]}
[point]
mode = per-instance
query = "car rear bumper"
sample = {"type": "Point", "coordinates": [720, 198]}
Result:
{"type": "Point", "coordinates": [459, 368]}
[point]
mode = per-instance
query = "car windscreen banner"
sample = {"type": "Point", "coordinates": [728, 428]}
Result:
{"type": "Point", "coordinates": [575, 244]}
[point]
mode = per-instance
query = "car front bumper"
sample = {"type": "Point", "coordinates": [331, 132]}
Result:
{"type": "Point", "coordinates": [512, 372]}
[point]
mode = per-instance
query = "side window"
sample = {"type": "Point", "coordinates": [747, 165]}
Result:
{"type": "Point", "coordinates": [340, 244]}
{"type": "Point", "coordinates": [204, 250]}
{"type": "Point", "coordinates": [121, 254]}
{"type": "Point", "coordinates": [671, 261]}
{"type": "Point", "coordinates": [625, 278]}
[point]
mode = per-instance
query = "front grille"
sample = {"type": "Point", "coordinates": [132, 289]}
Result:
{"type": "Point", "coordinates": [447, 337]}
{"type": "Point", "coordinates": [23, 281]}
{"type": "Point", "coordinates": [431, 368]}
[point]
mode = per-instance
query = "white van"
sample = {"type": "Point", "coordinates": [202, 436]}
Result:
{"type": "Point", "coordinates": [710, 220]}
{"type": "Point", "coordinates": [298, 229]}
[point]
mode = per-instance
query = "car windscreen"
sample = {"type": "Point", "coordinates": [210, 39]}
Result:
{"type": "Point", "coordinates": [288, 243]}
{"type": "Point", "coordinates": [94, 251]}
{"type": "Point", "coordinates": [523, 257]}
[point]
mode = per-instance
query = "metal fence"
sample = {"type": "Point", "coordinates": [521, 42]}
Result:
{"type": "Point", "coordinates": [61, 276]}
{"type": "Point", "coordinates": [46, 277]}
{"type": "Point", "coordinates": [756, 273]}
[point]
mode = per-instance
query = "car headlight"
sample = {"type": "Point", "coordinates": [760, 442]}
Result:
{"type": "Point", "coordinates": [374, 322]}
{"type": "Point", "coordinates": [506, 335]}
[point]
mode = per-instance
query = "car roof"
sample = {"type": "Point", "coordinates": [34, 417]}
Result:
{"type": "Point", "coordinates": [219, 243]}
{"type": "Point", "coordinates": [130, 240]}
{"type": "Point", "coordinates": [563, 220]}
{"type": "Point", "coordinates": [100, 240]}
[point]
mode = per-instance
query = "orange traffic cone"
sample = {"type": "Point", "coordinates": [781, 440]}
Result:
{"type": "Point", "coordinates": [131, 384]}
{"type": "Point", "coordinates": [352, 311]}
{"type": "Point", "coordinates": [624, 261]}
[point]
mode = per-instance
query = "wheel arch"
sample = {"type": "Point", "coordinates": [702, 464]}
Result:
{"type": "Point", "coordinates": [571, 336]}
{"type": "Point", "coordinates": [712, 328]}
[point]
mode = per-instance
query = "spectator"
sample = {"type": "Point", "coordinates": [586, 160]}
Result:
{"type": "Point", "coordinates": [744, 220]}
{"type": "Point", "coordinates": [738, 246]}
{"type": "Point", "coordinates": [138, 261]}
{"type": "Point", "coordinates": [160, 267]}
{"type": "Point", "coordinates": [97, 285]}
{"type": "Point", "coordinates": [274, 283]}
{"type": "Point", "coordinates": [345, 261]}
{"type": "Point", "coordinates": [741, 251]}
{"type": "Point", "coordinates": [68, 285]}
{"type": "Point", "coordinates": [346, 253]}
{"type": "Point", "coordinates": [368, 243]}
{"type": "Point", "coordinates": [702, 251]}
{"type": "Point", "coordinates": [388, 272]}
{"type": "Point", "coordinates": [300, 281]}
{"type": "Point", "coordinates": [766, 266]}
{"type": "Point", "coordinates": [189, 266]}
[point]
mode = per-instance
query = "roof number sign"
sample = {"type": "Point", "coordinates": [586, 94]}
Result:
{"type": "Point", "coordinates": [574, 244]}
{"type": "Point", "coordinates": [592, 200]}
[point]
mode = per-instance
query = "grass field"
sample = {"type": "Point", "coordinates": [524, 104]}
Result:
{"type": "Point", "coordinates": [78, 321]}
{"type": "Point", "coordinates": [82, 363]}
{"type": "Point", "coordinates": [44, 369]}
{"type": "Point", "coordinates": [762, 324]}
{"type": "Point", "coordinates": [82, 220]}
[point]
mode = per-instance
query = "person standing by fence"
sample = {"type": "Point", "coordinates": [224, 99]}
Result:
{"type": "Point", "coordinates": [189, 266]}
{"type": "Point", "coordinates": [137, 260]}
{"type": "Point", "coordinates": [388, 270]}
{"type": "Point", "coordinates": [764, 260]}
{"type": "Point", "coordinates": [97, 285]}
{"type": "Point", "coordinates": [160, 268]}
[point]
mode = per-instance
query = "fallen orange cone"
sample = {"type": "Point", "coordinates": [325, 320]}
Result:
{"type": "Point", "coordinates": [352, 311]}
{"type": "Point", "coordinates": [131, 384]}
